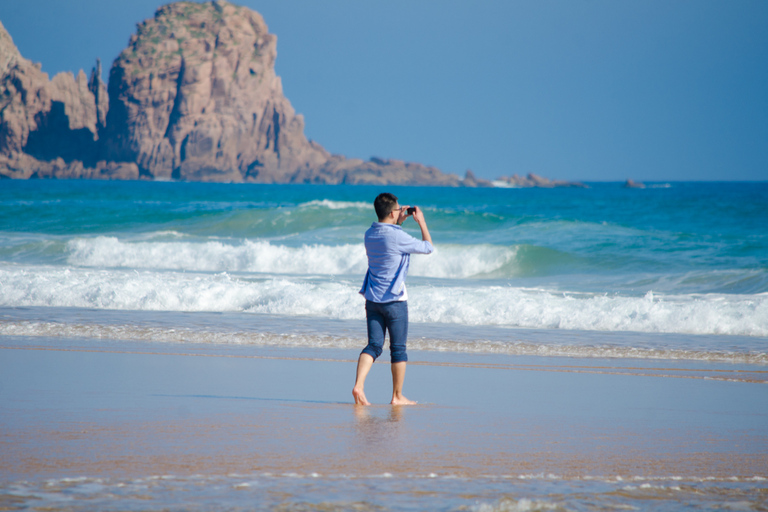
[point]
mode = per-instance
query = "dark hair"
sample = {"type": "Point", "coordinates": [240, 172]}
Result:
{"type": "Point", "coordinates": [384, 204]}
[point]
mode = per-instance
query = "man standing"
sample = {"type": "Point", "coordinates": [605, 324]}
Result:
{"type": "Point", "coordinates": [389, 249]}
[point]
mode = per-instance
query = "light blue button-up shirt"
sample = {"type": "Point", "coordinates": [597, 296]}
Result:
{"type": "Point", "coordinates": [389, 250]}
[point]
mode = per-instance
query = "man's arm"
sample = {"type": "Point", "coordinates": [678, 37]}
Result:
{"type": "Point", "coordinates": [418, 216]}
{"type": "Point", "coordinates": [411, 245]}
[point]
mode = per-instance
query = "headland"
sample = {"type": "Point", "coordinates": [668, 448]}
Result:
{"type": "Point", "coordinates": [193, 97]}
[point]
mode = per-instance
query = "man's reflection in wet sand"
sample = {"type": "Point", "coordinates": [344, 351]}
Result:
{"type": "Point", "coordinates": [378, 428]}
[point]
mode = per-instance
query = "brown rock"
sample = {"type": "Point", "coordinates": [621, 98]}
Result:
{"type": "Point", "coordinates": [99, 90]}
{"type": "Point", "coordinates": [44, 122]}
{"type": "Point", "coordinates": [23, 166]}
{"type": "Point", "coordinates": [195, 97]}
{"type": "Point", "coordinates": [471, 181]}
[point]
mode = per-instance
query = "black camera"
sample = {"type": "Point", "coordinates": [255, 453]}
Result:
{"type": "Point", "coordinates": [411, 210]}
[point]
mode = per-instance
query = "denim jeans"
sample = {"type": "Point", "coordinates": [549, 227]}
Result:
{"type": "Point", "coordinates": [382, 317]}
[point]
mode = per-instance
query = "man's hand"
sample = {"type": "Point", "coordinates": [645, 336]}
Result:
{"type": "Point", "coordinates": [418, 216]}
{"type": "Point", "coordinates": [402, 215]}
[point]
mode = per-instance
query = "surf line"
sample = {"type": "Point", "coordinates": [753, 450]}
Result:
{"type": "Point", "coordinates": [712, 374]}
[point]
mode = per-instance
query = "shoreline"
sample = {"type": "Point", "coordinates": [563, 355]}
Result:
{"type": "Point", "coordinates": [238, 331]}
{"type": "Point", "coordinates": [121, 412]}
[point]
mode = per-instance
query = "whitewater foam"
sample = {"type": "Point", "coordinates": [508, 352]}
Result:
{"type": "Point", "coordinates": [336, 205]}
{"type": "Point", "coordinates": [177, 335]}
{"type": "Point", "coordinates": [217, 256]}
{"type": "Point", "coordinates": [448, 261]}
{"type": "Point", "coordinates": [338, 298]}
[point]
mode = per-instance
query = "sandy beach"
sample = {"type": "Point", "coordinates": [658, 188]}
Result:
{"type": "Point", "coordinates": [126, 410]}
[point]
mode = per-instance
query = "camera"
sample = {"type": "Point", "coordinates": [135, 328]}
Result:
{"type": "Point", "coordinates": [411, 210]}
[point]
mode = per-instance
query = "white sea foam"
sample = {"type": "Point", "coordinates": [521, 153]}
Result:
{"type": "Point", "coordinates": [460, 262]}
{"type": "Point", "coordinates": [270, 339]}
{"type": "Point", "coordinates": [336, 205]}
{"type": "Point", "coordinates": [336, 298]}
{"type": "Point", "coordinates": [523, 505]}
{"type": "Point", "coordinates": [216, 256]}
{"type": "Point", "coordinates": [449, 261]}
{"type": "Point", "coordinates": [694, 314]}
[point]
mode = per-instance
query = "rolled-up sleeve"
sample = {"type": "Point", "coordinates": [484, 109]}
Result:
{"type": "Point", "coordinates": [410, 245]}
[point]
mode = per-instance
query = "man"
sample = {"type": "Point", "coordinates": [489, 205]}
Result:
{"type": "Point", "coordinates": [389, 249]}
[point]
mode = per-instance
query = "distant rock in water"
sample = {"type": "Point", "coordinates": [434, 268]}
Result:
{"type": "Point", "coordinates": [634, 184]}
{"type": "Point", "coordinates": [533, 180]}
{"type": "Point", "coordinates": [193, 97]}
{"type": "Point", "coordinates": [470, 180]}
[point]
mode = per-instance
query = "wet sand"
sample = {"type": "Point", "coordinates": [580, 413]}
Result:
{"type": "Point", "coordinates": [122, 410]}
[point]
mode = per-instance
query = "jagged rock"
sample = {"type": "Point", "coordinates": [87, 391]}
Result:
{"type": "Point", "coordinates": [471, 181]}
{"type": "Point", "coordinates": [195, 97]}
{"type": "Point", "coordinates": [44, 120]}
{"type": "Point", "coordinates": [99, 90]}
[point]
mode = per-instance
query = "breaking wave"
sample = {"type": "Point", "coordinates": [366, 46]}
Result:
{"type": "Point", "coordinates": [149, 290]}
{"type": "Point", "coordinates": [266, 257]}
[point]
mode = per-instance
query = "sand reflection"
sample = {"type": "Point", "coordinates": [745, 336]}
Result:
{"type": "Point", "coordinates": [379, 427]}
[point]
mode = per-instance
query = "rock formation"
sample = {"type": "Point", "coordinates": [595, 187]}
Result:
{"type": "Point", "coordinates": [47, 127]}
{"type": "Point", "coordinates": [470, 180]}
{"type": "Point", "coordinates": [193, 97]}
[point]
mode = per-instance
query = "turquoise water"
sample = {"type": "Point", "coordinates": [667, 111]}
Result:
{"type": "Point", "coordinates": [606, 229]}
{"type": "Point", "coordinates": [684, 259]}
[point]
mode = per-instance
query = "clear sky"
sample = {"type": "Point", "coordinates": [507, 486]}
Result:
{"type": "Point", "coordinates": [589, 90]}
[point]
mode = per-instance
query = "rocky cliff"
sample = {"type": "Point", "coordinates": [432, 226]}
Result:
{"type": "Point", "coordinates": [194, 97]}
{"type": "Point", "coordinates": [48, 127]}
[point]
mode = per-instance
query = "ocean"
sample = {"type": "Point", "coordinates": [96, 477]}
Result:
{"type": "Point", "coordinates": [673, 272]}
{"type": "Point", "coordinates": [574, 272]}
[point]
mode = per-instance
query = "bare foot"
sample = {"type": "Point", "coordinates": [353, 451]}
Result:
{"type": "Point", "coordinates": [360, 397]}
{"type": "Point", "coordinates": [401, 400]}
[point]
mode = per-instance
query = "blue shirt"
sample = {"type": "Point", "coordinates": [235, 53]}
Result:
{"type": "Point", "coordinates": [389, 250]}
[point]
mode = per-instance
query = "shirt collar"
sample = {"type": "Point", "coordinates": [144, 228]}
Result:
{"type": "Point", "coordinates": [382, 224]}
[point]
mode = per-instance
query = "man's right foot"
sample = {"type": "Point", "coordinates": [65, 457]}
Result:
{"type": "Point", "coordinates": [360, 397]}
{"type": "Point", "coordinates": [401, 400]}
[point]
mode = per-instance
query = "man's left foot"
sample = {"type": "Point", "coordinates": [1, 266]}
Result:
{"type": "Point", "coordinates": [360, 397]}
{"type": "Point", "coordinates": [402, 401]}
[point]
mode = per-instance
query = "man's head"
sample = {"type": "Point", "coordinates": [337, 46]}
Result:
{"type": "Point", "coordinates": [384, 204]}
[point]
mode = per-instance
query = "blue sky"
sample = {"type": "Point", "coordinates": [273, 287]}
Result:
{"type": "Point", "coordinates": [588, 90]}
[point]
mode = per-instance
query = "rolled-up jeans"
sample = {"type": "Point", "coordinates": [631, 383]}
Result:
{"type": "Point", "coordinates": [382, 317]}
